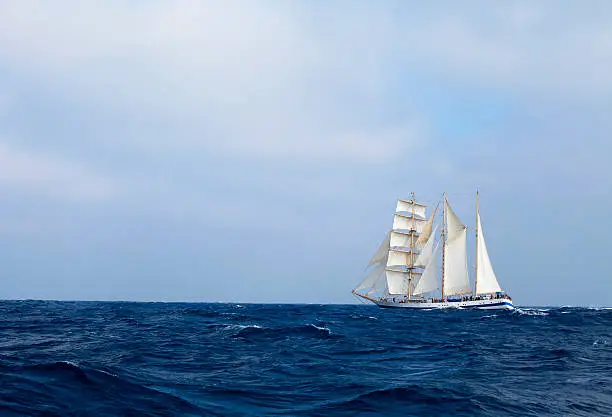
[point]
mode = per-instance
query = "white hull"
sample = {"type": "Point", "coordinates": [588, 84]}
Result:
{"type": "Point", "coordinates": [488, 304]}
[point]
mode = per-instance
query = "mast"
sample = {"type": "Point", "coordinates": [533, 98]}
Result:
{"type": "Point", "coordinates": [443, 241]}
{"type": "Point", "coordinates": [487, 280]}
{"type": "Point", "coordinates": [476, 266]}
{"type": "Point", "coordinates": [401, 271]}
{"type": "Point", "coordinates": [413, 229]}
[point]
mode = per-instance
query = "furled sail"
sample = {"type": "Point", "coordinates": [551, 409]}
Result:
{"type": "Point", "coordinates": [487, 281]}
{"type": "Point", "coordinates": [456, 279]}
{"type": "Point", "coordinates": [429, 280]}
{"type": "Point", "coordinates": [383, 250]}
{"type": "Point", "coordinates": [423, 259]}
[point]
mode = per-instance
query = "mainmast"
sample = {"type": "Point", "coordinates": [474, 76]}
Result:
{"type": "Point", "coordinates": [443, 236]}
{"type": "Point", "coordinates": [476, 265]}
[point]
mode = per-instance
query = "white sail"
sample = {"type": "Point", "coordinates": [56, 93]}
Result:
{"type": "Point", "coordinates": [486, 279]}
{"type": "Point", "coordinates": [427, 229]}
{"type": "Point", "coordinates": [398, 258]}
{"type": "Point", "coordinates": [372, 278]}
{"type": "Point", "coordinates": [429, 279]}
{"type": "Point", "coordinates": [381, 253]}
{"type": "Point", "coordinates": [401, 240]}
{"type": "Point", "coordinates": [456, 279]}
{"type": "Point", "coordinates": [405, 206]}
{"type": "Point", "coordinates": [397, 282]}
{"type": "Point", "coordinates": [380, 285]}
{"type": "Point", "coordinates": [426, 253]}
{"type": "Point", "coordinates": [407, 222]}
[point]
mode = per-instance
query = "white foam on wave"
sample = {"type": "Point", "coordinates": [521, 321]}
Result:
{"type": "Point", "coordinates": [238, 327]}
{"type": "Point", "coordinates": [107, 373]}
{"type": "Point", "coordinates": [76, 365]}
{"type": "Point", "coordinates": [320, 328]}
{"type": "Point", "coordinates": [244, 326]}
{"type": "Point", "coordinates": [532, 311]}
{"type": "Point", "coordinates": [600, 342]}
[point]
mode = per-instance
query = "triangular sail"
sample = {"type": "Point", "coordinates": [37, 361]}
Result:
{"type": "Point", "coordinates": [383, 250]}
{"type": "Point", "coordinates": [427, 251]}
{"type": "Point", "coordinates": [456, 280]}
{"type": "Point", "coordinates": [380, 285]}
{"type": "Point", "coordinates": [487, 281]}
{"type": "Point", "coordinates": [429, 280]}
{"type": "Point", "coordinates": [427, 230]}
{"type": "Point", "coordinates": [372, 280]}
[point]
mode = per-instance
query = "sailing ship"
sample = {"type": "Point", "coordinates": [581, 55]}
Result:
{"type": "Point", "coordinates": [419, 266]}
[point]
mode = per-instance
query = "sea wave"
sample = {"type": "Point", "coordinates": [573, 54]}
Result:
{"type": "Point", "coordinates": [62, 359]}
{"type": "Point", "coordinates": [79, 389]}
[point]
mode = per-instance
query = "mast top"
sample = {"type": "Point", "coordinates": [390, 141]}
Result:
{"type": "Point", "coordinates": [416, 203]}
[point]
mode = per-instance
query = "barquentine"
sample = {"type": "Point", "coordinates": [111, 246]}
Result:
{"type": "Point", "coordinates": [417, 267]}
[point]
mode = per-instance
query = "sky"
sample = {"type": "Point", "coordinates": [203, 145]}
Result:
{"type": "Point", "coordinates": [252, 151]}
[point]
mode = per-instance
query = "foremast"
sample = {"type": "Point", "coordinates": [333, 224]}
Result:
{"type": "Point", "coordinates": [409, 222]}
{"type": "Point", "coordinates": [411, 263]}
{"type": "Point", "coordinates": [395, 270]}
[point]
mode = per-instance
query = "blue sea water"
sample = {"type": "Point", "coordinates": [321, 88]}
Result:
{"type": "Point", "coordinates": [133, 359]}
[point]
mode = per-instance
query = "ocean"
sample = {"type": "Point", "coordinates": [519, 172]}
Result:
{"type": "Point", "coordinates": [183, 359]}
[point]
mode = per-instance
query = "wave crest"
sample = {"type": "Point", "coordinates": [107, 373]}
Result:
{"type": "Point", "coordinates": [253, 332]}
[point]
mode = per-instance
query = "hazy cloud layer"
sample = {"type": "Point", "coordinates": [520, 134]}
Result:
{"type": "Point", "coordinates": [252, 150]}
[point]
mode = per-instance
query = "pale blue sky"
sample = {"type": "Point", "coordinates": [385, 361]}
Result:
{"type": "Point", "coordinates": [252, 151]}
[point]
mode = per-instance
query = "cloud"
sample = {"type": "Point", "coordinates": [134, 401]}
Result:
{"type": "Point", "coordinates": [31, 172]}
{"type": "Point", "coordinates": [289, 128]}
{"type": "Point", "coordinates": [295, 83]}
{"type": "Point", "coordinates": [212, 46]}
{"type": "Point", "coordinates": [232, 78]}
{"type": "Point", "coordinates": [532, 49]}
{"type": "Point", "coordinates": [298, 80]}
